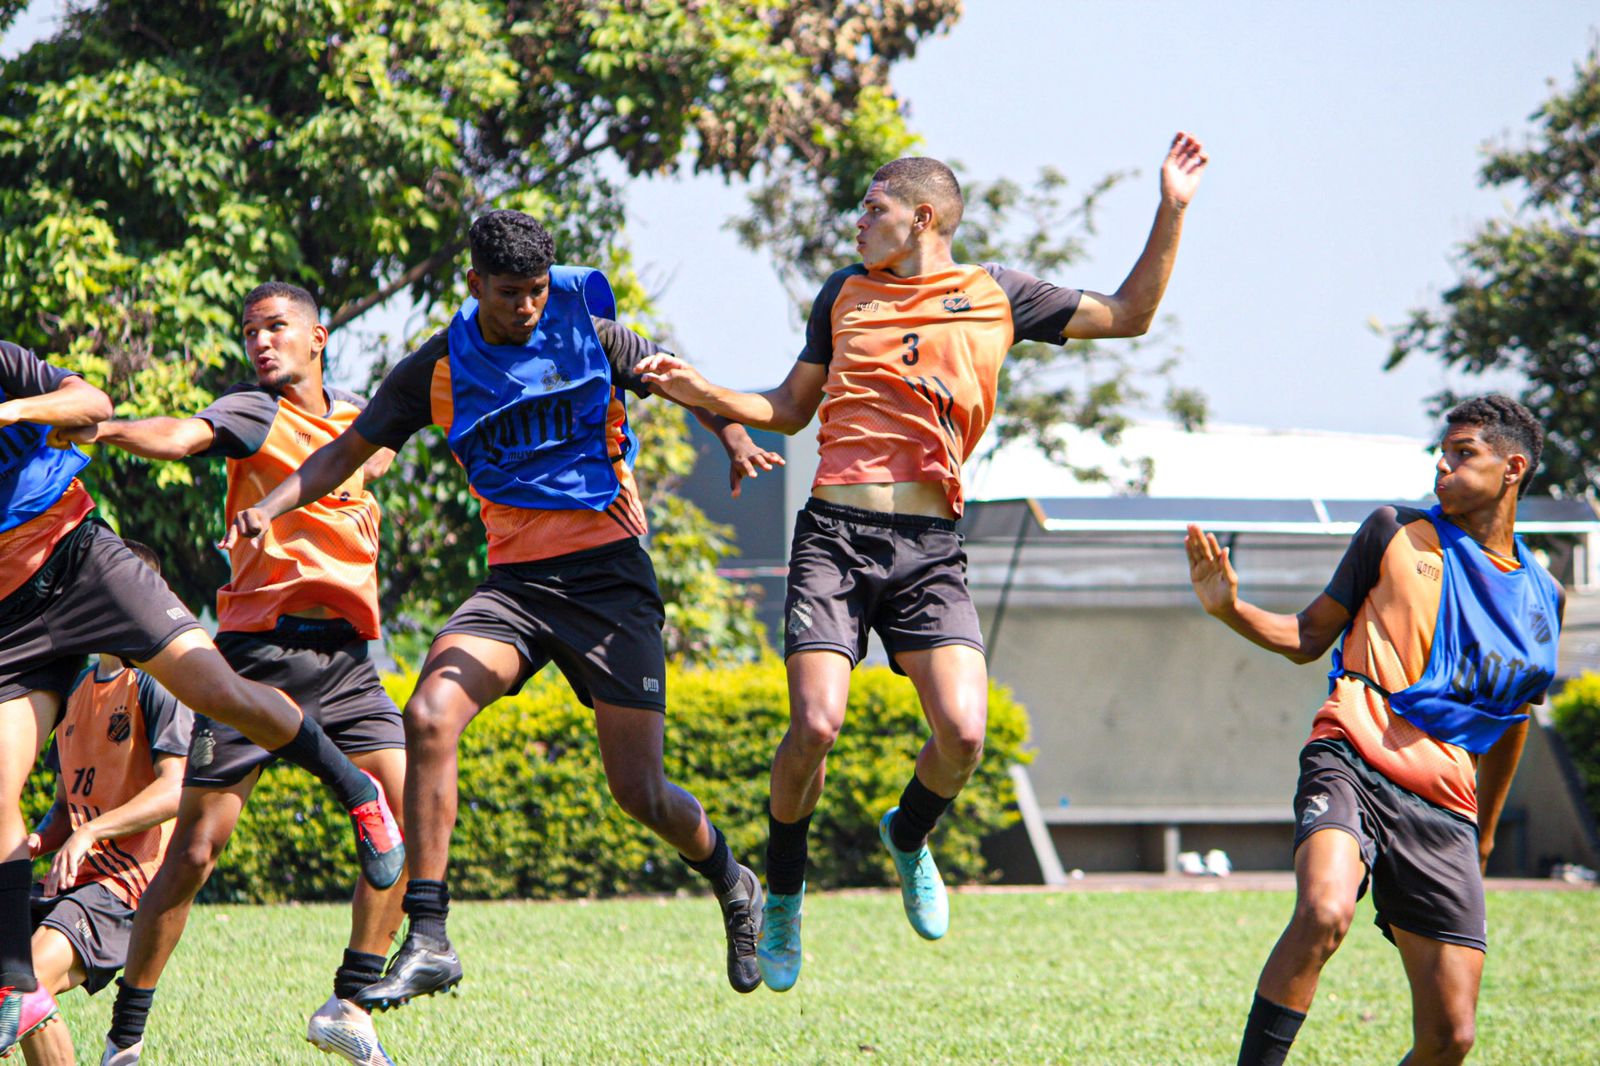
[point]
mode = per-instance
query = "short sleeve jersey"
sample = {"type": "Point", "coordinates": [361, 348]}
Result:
{"type": "Point", "coordinates": [322, 556]}
{"type": "Point", "coordinates": [24, 548]}
{"type": "Point", "coordinates": [914, 365]}
{"type": "Point", "coordinates": [417, 394]}
{"type": "Point", "coordinates": [105, 749]}
{"type": "Point", "coordinates": [1391, 580]}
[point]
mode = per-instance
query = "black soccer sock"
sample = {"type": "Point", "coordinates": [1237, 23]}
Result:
{"type": "Point", "coordinates": [358, 970]}
{"type": "Point", "coordinates": [312, 750]}
{"type": "Point", "coordinates": [16, 931]}
{"type": "Point", "coordinates": [427, 904]}
{"type": "Point", "coordinates": [786, 855]}
{"type": "Point", "coordinates": [1268, 1033]}
{"type": "Point", "coordinates": [129, 1014]}
{"type": "Point", "coordinates": [718, 867]}
{"type": "Point", "coordinates": [920, 808]}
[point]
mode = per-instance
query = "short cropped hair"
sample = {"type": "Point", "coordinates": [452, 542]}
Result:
{"type": "Point", "coordinates": [1506, 425]}
{"type": "Point", "coordinates": [511, 244]}
{"type": "Point", "coordinates": [920, 180]}
{"type": "Point", "coordinates": [297, 296]}
{"type": "Point", "coordinates": [146, 554]}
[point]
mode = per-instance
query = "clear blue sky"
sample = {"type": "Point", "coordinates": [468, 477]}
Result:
{"type": "Point", "coordinates": [1345, 142]}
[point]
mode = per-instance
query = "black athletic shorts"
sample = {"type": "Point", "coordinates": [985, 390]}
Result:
{"type": "Point", "coordinates": [852, 570]}
{"type": "Point", "coordinates": [91, 596]}
{"type": "Point", "coordinates": [95, 922]}
{"type": "Point", "coordinates": [1422, 860]}
{"type": "Point", "coordinates": [595, 613]}
{"type": "Point", "coordinates": [322, 665]}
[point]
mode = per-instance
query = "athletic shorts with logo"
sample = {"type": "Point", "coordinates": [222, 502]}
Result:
{"type": "Point", "coordinates": [322, 665]}
{"type": "Point", "coordinates": [95, 922]}
{"type": "Point", "coordinates": [853, 570]}
{"type": "Point", "coordinates": [596, 614]}
{"type": "Point", "coordinates": [92, 596]}
{"type": "Point", "coordinates": [1422, 860]}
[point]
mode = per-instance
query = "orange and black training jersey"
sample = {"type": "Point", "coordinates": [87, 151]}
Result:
{"type": "Point", "coordinates": [1390, 580]}
{"type": "Point", "coordinates": [417, 394]}
{"type": "Point", "coordinates": [105, 750]}
{"type": "Point", "coordinates": [24, 548]}
{"type": "Point", "coordinates": [322, 556]}
{"type": "Point", "coordinates": [914, 364]}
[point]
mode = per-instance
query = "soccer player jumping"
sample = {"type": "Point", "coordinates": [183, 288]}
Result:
{"type": "Point", "coordinates": [298, 613]}
{"type": "Point", "coordinates": [69, 587]}
{"type": "Point", "coordinates": [528, 382]}
{"type": "Point", "coordinates": [903, 354]}
{"type": "Point", "coordinates": [1447, 628]}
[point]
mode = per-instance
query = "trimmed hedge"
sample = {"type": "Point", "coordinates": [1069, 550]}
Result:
{"type": "Point", "coordinates": [537, 821]}
{"type": "Point", "coordinates": [1576, 715]}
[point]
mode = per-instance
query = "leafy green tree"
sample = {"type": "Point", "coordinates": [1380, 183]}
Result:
{"type": "Point", "coordinates": [159, 159]}
{"type": "Point", "coordinates": [1040, 228]}
{"type": "Point", "coordinates": [1528, 296]}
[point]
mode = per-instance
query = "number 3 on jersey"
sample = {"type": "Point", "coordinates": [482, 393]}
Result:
{"type": "Point", "coordinates": [909, 356]}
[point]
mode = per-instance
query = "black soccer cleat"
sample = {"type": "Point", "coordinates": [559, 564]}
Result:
{"type": "Point", "coordinates": [741, 919]}
{"type": "Point", "coordinates": [422, 967]}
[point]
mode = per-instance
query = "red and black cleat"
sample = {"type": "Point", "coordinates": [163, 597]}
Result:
{"type": "Point", "coordinates": [379, 846]}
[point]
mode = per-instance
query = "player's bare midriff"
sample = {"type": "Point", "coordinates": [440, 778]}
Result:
{"type": "Point", "coordinates": [925, 498]}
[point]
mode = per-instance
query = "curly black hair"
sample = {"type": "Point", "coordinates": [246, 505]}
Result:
{"type": "Point", "coordinates": [1507, 426]}
{"type": "Point", "coordinates": [511, 244]}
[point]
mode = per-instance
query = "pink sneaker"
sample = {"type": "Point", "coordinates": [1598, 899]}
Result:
{"type": "Point", "coordinates": [38, 1010]}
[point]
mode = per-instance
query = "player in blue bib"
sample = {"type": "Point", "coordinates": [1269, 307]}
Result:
{"type": "Point", "coordinates": [1447, 628]}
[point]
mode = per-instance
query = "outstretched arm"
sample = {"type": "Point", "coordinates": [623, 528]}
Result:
{"type": "Point", "coordinates": [74, 403]}
{"type": "Point", "coordinates": [785, 409]}
{"type": "Point", "coordinates": [329, 467]}
{"type": "Point", "coordinates": [746, 458]}
{"type": "Point", "coordinates": [1129, 311]}
{"type": "Point", "coordinates": [1300, 638]}
{"type": "Point", "coordinates": [152, 805]}
{"type": "Point", "coordinates": [1496, 768]}
{"type": "Point", "coordinates": [153, 438]}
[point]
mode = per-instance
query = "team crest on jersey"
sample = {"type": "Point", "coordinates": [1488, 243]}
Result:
{"type": "Point", "coordinates": [1541, 627]}
{"type": "Point", "coordinates": [120, 727]}
{"type": "Point", "coordinates": [1316, 807]}
{"type": "Point", "coordinates": [957, 302]}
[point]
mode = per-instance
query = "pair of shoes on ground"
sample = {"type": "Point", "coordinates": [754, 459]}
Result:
{"type": "Point", "coordinates": [921, 892]}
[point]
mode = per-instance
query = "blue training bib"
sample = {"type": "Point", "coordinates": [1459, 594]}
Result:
{"type": "Point", "coordinates": [1494, 645]}
{"type": "Point", "coordinates": [33, 475]}
{"type": "Point", "coordinates": [530, 419]}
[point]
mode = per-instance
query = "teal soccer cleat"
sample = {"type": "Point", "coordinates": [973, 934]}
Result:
{"type": "Point", "coordinates": [921, 888]}
{"type": "Point", "coordinates": [778, 952]}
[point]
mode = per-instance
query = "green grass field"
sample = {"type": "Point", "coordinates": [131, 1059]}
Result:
{"type": "Point", "coordinates": [1080, 977]}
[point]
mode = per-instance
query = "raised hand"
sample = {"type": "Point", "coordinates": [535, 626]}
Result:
{"type": "Point", "coordinates": [1181, 170]}
{"type": "Point", "coordinates": [1211, 572]}
{"type": "Point", "coordinates": [675, 379]}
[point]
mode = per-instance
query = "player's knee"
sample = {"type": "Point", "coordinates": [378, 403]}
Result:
{"type": "Point", "coordinates": [1449, 1040]}
{"type": "Point", "coordinates": [428, 722]}
{"type": "Point", "coordinates": [961, 744]}
{"type": "Point", "coordinates": [191, 861]}
{"type": "Point", "coordinates": [1324, 921]}
{"type": "Point", "coordinates": [645, 800]}
{"type": "Point", "coordinates": [814, 735]}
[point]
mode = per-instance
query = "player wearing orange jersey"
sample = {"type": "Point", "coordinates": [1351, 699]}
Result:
{"type": "Point", "coordinates": [903, 355]}
{"type": "Point", "coordinates": [528, 382]}
{"type": "Point", "coordinates": [70, 587]}
{"type": "Point", "coordinates": [118, 754]}
{"type": "Point", "coordinates": [1447, 629]}
{"type": "Point", "coordinates": [298, 613]}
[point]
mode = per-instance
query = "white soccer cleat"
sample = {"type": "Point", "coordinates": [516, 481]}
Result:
{"type": "Point", "coordinates": [126, 1056]}
{"type": "Point", "coordinates": [339, 1027]}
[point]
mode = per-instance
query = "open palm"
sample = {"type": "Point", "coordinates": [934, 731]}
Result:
{"type": "Point", "coordinates": [1181, 170]}
{"type": "Point", "coordinates": [1210, 571]}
